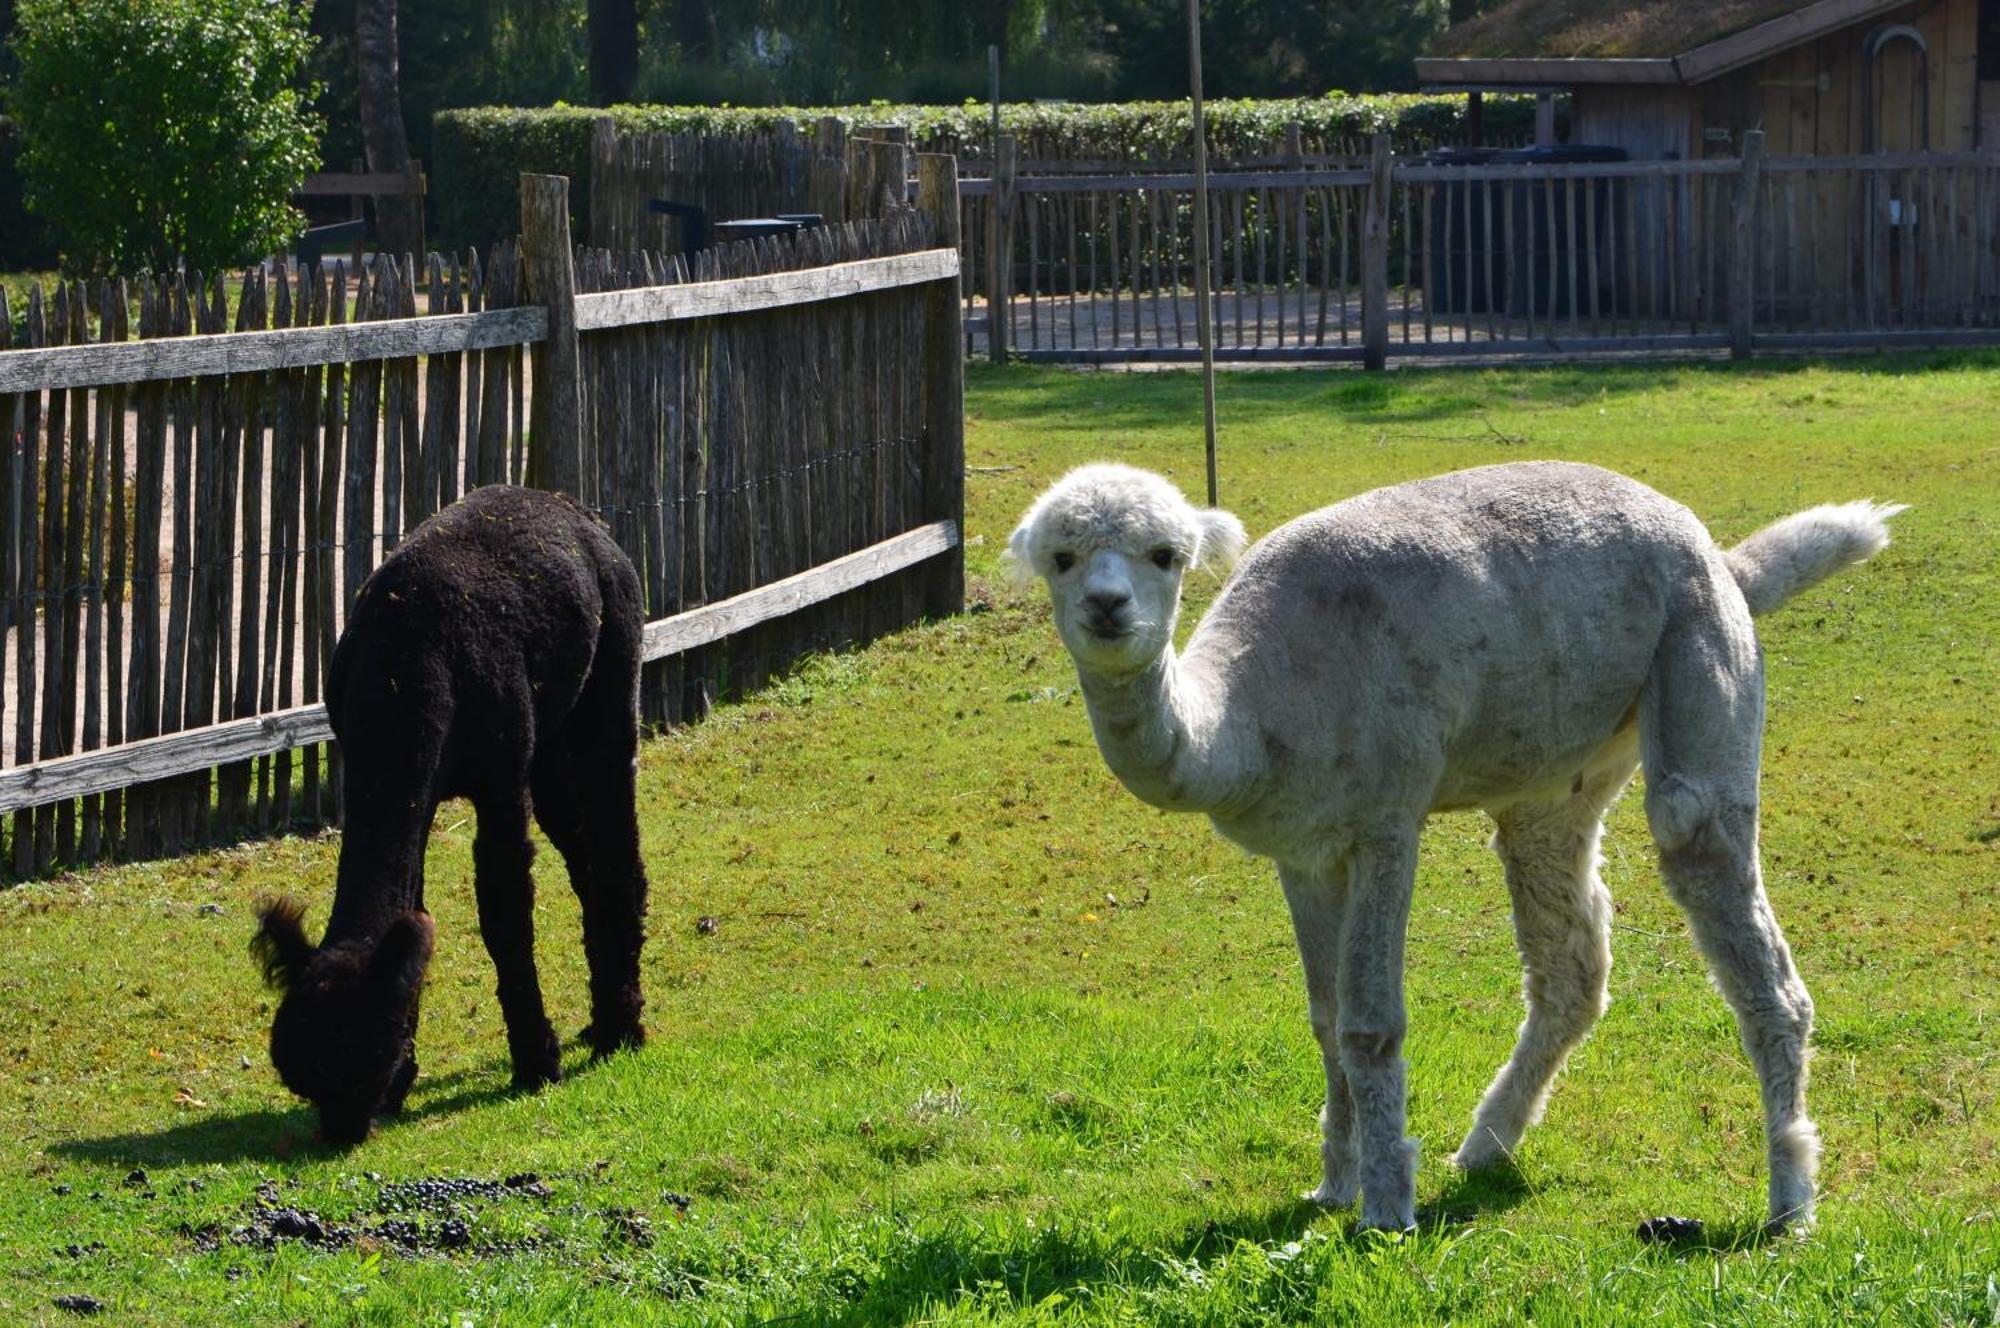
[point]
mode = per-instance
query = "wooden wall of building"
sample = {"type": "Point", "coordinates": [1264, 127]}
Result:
{"type": "Point", "coordinates": [1811, 100]}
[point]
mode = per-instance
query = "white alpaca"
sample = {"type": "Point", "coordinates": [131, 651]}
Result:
{"type": "Point", "coordinates": [1515, 638]}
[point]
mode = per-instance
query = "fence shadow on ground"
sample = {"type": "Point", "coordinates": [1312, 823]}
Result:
{"type": "Point", "coordinates": [1406, 397]}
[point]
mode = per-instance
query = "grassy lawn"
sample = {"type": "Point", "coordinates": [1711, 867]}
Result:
{"type": "Point", "coordinates": [977, 1037]}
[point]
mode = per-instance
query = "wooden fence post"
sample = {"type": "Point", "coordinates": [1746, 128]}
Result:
{"type": "Point", "coordinates": [888, 175]}
{"type": "Point", "coordinates": [555, 444]}
{"type": "Point", "coordinates": [1375, 258]}
{"type": "Point", "coordinates": [1000, 248]}
{"type": "Point", "coordinates": [944, 386]}
{"type": "Point", "coordinates": [1742, 245]}
{"type": "Point", "coordinates": [829, 174]}
{"type": "Point", "coordinates": [607, 210]}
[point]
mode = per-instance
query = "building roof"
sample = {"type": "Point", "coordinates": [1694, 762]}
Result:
{"type": "Point", "coordinates": [1564, 42]}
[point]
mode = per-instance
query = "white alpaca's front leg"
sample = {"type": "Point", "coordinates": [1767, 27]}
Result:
{"type": "Point", "coordinates": [1317, 901]}
{"type": "Point", "coordinates": [1371, 1024]}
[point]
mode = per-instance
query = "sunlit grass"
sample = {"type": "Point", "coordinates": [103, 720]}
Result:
{"type": "Point", "coordinates": [977, 1037]}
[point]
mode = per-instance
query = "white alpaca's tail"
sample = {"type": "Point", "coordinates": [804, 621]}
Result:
{"type": "Point", "coordinates": [1806, 548]}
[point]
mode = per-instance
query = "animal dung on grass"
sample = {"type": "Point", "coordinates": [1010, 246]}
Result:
{"type": "Point", "coordinates": [493, 656]}
{"type": "Point", "coordinates": [1514, 638]}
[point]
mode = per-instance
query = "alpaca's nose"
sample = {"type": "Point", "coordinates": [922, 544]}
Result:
{"type": "Point", "coordinates": [1104, 604]}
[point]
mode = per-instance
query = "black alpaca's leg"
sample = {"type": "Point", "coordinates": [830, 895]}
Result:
{"type": "Point", "coordinates": [598, 777]}
{"type": "Point", "coordinates": [399, 1087]}
{"type": "Point", "coordinates": [561, 818]}
{"type": "Point", "coordinates": [501, 856]}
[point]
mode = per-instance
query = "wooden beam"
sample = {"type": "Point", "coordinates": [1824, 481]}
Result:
{"type": "Point", "coordinates": [713, 622]}
{"type": "Point", "coordinates": [1111, 184]}
{"type": "Point", "coordinates": [1375, 257]}
{"type": "Point", "coordinates": [346, 184]}
{"type": "Point", "coordinates": [1540, 72]}
{"type": "Point", "coordinates": [1409, 173]}
{"type": "Point", "coordinates": [943, 382]}
{"type": "Point", "coordinates": [141, 762]}
{"type": "Point", "coordinates": [1774, 35]}
{"type": "Point", "coordinates": [200, 749]}
{"type": "Point", "coordinates": [1498, 348]}
{"type": "Point", "coordinates": [555, 429]}
{"type": "Point", "coordinates": [249, 352]}
{"type": "Point", "coordinates": [1742, 257]}
{"type": "Point", "coordinates": [777, 290]}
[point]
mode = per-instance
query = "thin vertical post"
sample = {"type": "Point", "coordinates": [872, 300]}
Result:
{"type": "Point", "coordinates": [1204, 323]}
{"type": "Point", "coordinates": [1375, 258]}
{"type": "Point", "coordinates": [556, 461]}
{"type": "Point", "coordinates": [1000, 249]}
{"type": "Point", "coordinates": [1742, 242]}
{"type": "Point", "coordinates": [944, 386]}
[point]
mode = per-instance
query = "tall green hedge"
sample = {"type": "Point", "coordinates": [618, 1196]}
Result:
{"type": "Point", "coordinates": [479, 153]}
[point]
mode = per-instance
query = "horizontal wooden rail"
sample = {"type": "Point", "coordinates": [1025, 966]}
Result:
{"type": "Point", "coordinates": [56, 367]}
{"type": "Point", "coordinates": [346, 184]}
{"type": "Point", "coordinates": [1529, 171]}
{"type": "Point", "coordinates": [161, 758]}
{"type": "Point", "coordinates": [244, 739]}
{"type": "Point", "coordinates": [712, 622]}
{"type": "Point", "coordinates": [1495, 348]}
{"type": "Point", "coordinates": [1411, 170]}
{"type": "Point", "coordinates": [742, 295]}
{"type": "Point", "coordinates": [1886, 161]}
{"type": "Point", "coordinates": [1111, 184]}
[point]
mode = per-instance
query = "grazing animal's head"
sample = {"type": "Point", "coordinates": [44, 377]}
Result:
{"type": "Point", "coordinates": [341, 1038]}
{"type": "Point", "coordinates": [1113, 542]}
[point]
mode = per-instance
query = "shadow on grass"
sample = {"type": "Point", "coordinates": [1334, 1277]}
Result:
{"type": "Point", "coordinates": [279, 1135]}
{"type": "Point", "coordinates": [1020, 1271]}
{"type": "Point", "coordinates": [1493, 1189]}
{"type": "Point", "coordinates": [1407, 396]}
{"type": "Point", "coordinates": [1722, 1238]}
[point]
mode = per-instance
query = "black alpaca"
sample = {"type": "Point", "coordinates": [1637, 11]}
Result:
{"type": "Point", "coordinates": [493, 656]}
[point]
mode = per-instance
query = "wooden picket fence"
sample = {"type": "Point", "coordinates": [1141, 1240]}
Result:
{"type": "Point", "coordinates": [773, 433]}
{"type": "Point", "coordinates": [829, 171]}
{"type": "Point", "coordinates": [1397, 256]}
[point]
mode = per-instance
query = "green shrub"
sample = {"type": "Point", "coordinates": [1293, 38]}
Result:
{"type": "Point", "coordinates": [478, 154]}
{"type": "Point", "coordinates": [157, 132]}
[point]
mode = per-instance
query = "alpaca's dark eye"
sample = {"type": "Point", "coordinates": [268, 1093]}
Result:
{"type": "Point", "coordinates": [1064, 561]}
{"type": "Point", "coordinates": [1163, 558]}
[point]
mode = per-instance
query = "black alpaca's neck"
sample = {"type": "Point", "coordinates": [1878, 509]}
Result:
{"type": "Point", "coordinates": [385, 826]}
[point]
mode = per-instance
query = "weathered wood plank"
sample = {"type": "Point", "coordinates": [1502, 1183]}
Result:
{"type": "Point", "coordinates": [187, 752]}
{"type": "Point", "coordinates": [346, 184]}
{"type": "Point", "coordinates": [250, 352]}
{"type": "Point", "coordinates": [1375, 259]}
{"type": "Point", "coordinates": [714, 622]}
{"type": "Point", "coordinates": [556, 460]}
{"type": "Point", "coordinates": [776, 290]}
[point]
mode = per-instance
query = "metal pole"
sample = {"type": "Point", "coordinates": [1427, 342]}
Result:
{"type": "Point", "coordinates": [1204, 324]}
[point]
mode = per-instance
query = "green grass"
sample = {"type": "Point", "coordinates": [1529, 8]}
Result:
{"type": "Point", "coordinates": [980, 1038]}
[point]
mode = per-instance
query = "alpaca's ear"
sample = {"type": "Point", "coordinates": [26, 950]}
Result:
{"type": "Point", "coordinates": [403, 954]}
{"type": "Point", "coordinates": [280, 945]}
{"type": "Point", "coordinates": [1222, 539]}
{"type": "Point", "coordinates": [1018, 559]}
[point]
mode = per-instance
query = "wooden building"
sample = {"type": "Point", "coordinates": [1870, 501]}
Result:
{"type": "Point", "coordinates": [1880, 168]}
{"type": "Point", "coordinates": [1682, 79]}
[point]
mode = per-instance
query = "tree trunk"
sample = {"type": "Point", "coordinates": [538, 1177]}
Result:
{"type": "Point", "coordinates": [614, 50]}
{"type": "Point", "coordinates": [399, 220]}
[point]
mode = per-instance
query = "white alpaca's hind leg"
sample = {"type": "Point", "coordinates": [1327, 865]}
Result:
{"type": "Point", "coordinates": [1702, 722]}
{"type": "Point", "coordinates": [1562, 926]}
{"type": "Point", "coordinates": [1317, 901]}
